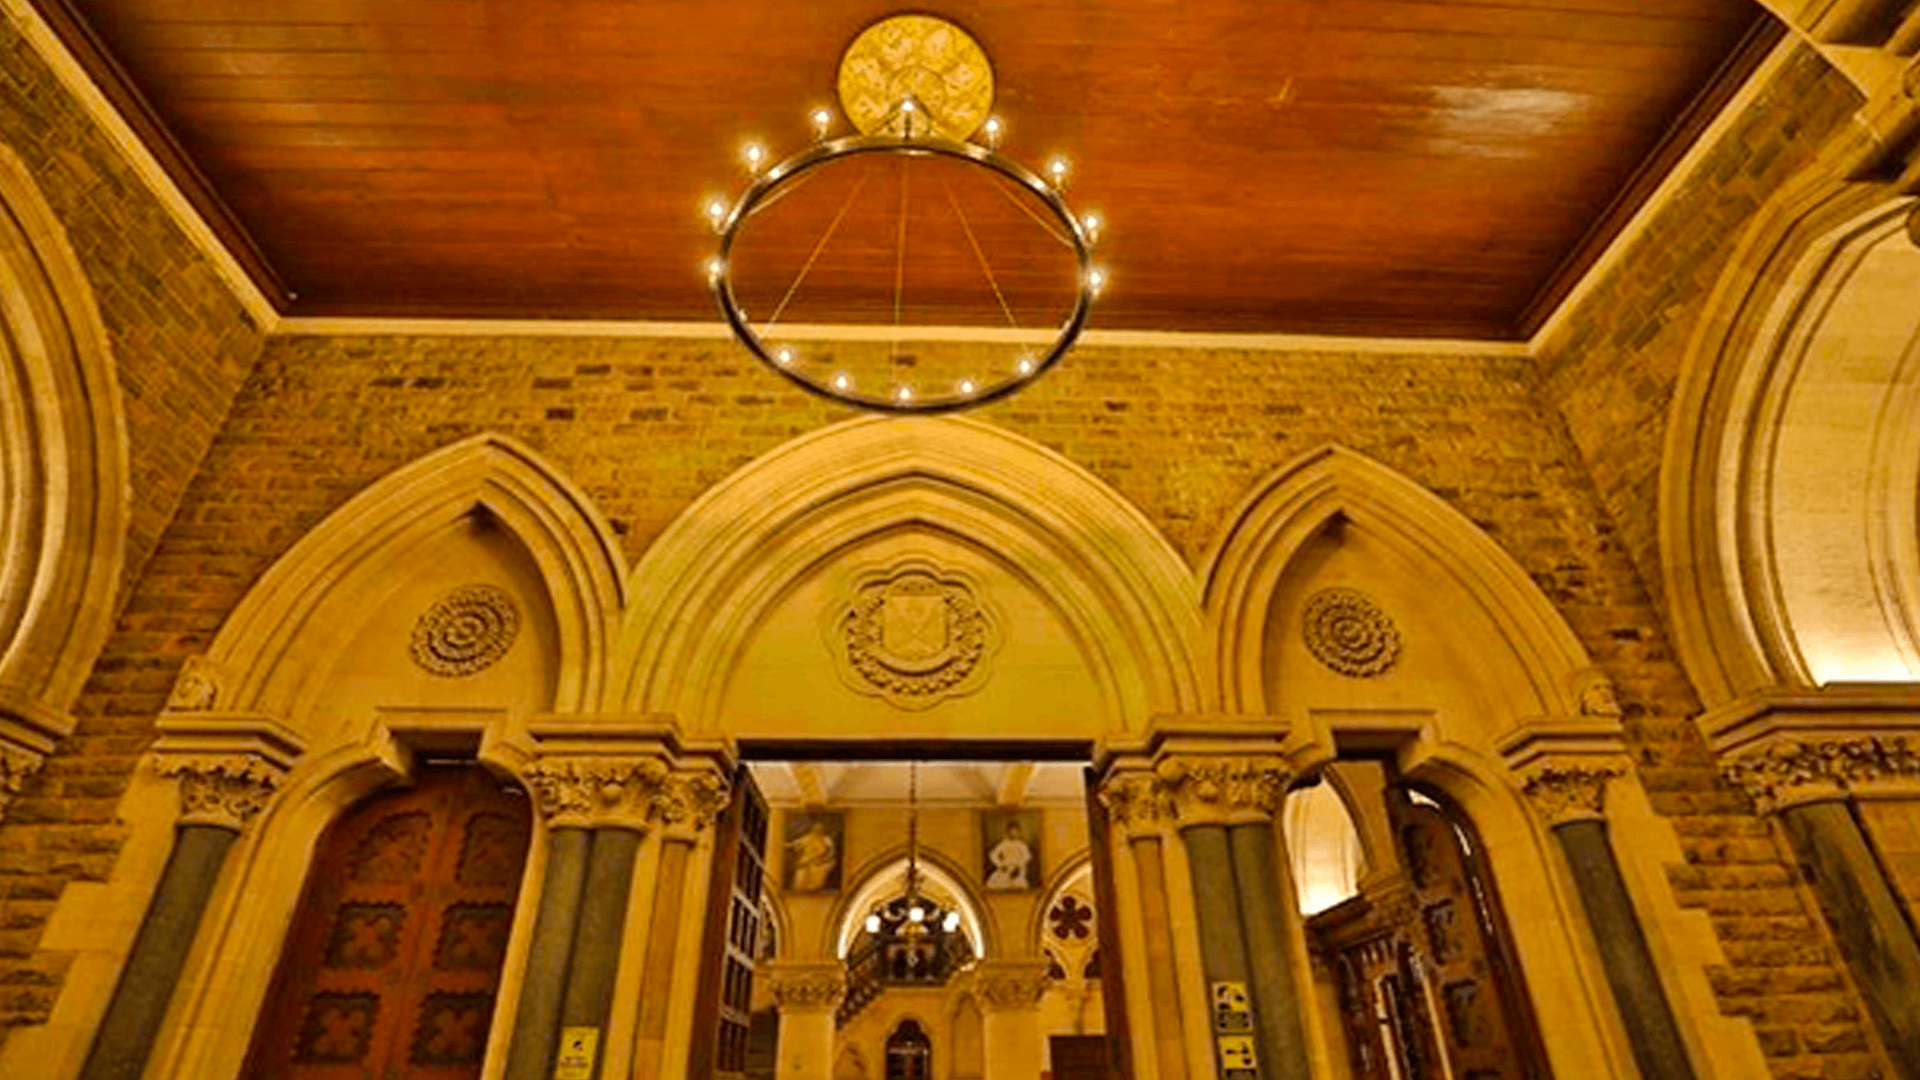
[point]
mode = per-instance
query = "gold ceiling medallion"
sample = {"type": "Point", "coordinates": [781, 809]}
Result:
{"type": "Point", "coordinates": [916, 57]}
{"type": "Point", "coordinates": [914, 635]}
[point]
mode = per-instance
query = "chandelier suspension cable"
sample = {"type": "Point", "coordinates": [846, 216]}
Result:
{"type": "Point", "coordinates": [900, 247]}
{"type": "Point", "coordinates": [1046, 226]}
{"type": "Point", "coordinates": [913, 831]}
{"type": "Point", "coordinates": [979, 256]}
{"type": "Point", "coordinates": [819, 246]}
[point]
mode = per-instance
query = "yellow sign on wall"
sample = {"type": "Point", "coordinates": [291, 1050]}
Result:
{"type": "Point", "coordinates": [578, 1048]}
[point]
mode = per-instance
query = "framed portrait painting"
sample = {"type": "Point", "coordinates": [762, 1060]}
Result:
{"type": "Point", "coordinates": [814, 845]}
{"type": "Point", "coordinates": [1010, 849]}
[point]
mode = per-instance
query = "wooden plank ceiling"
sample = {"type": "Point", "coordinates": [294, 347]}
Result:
{"type": "Point", "coordinates": [1384, 167]}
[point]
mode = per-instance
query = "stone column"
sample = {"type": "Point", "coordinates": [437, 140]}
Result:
{"type": "Point", "coordinates": [218, 796]}
{"type": "Point", "coordinates": [1806, 782]}
{"type": "Point", "coordinates": [806, 994]}
{"type": "Point", "coordinates": [1572, 800]}
{"type": "Point", "coordinates": [1010, 993]}
{"type": "Point", "coordinates": [1226, 806]}
{"type": "Point", "coordinates": [1141, 812]}
{"type": "Point", "coordinates": [536, 1026]}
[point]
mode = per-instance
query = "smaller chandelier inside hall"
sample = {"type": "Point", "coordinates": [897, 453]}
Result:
{"type": "Point", "coordinates": [964, 274]}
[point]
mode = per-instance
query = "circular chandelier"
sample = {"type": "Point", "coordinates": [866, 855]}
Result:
{"type": "Point", "coordinates": [915, 87]}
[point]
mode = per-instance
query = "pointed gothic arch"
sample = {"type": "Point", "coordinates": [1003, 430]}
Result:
{"type": "Point", "coordinates": [1123, 593]}
{"type": "Point", "coordinates": [878, 880]}
{"type": "Point", "coordinates": [63, 465]}
{"type": "Point", "coordinates": [489, 476]}
{"type": "Point", "coordinates": [1790, 476]}
{"type": "Point", "coordinates": [1333, 486]}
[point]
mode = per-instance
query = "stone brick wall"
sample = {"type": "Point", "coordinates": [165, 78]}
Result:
{"type": "Point", "coordinates": [644, 426]}
{"type": "Point", "coordinates": [1613, 367]}
{"type": "Point", "coordinates": [182, 344]}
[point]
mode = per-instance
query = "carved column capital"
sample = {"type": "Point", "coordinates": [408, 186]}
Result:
{"type": "Point", "coordinates": [1567, 793]}
{"type": "Point", "coordinates": [1788, 772]}
{"type": "Point", "coordinates": [629, 792]}
{"type": "Point", "coordinates": [1011, 984]}
{"type": "Point", "coordinates": [798, 986]}
{"type": "Point", "coordinates": [1217, 790]}
{"type": "Point", "coordinates": [1137, 802]}
{"type": "Point", "coordinates": [224, 791]}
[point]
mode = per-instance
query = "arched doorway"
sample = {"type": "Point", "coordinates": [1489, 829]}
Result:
{"type": "Point", "coordinates": [909, 1053]}
{"type": "Point", "coordinates": [1428, 982]}
{"type": "Point", "coordinates": [393, 961]}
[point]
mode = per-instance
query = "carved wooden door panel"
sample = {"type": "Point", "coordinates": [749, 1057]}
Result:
{"type": "Point", "coordinates": [1460, 956]}
{"type": "Point", "coordinates": [393, 961]}
{"type": "Point", "coordinates": [1384, 1012]}
{"type": "Point", "coordinates": [724, 999]}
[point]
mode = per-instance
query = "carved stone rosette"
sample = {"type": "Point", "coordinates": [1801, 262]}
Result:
{"type": "Point", "coordinates": [1011, 984]}
{"type": "Point", "coordinates": [1348, 632]}
{"type": "Point", "coordinates": [223, 791]}
{"type": "Point", "coordinates": [1569, 793]}
{"type": "Point", "coordinates": [588, 792]}
{"type": "Point", "coordinates": [1789, 772]}
{"type": "Point", "coordinates": [1216, 790]}
{"type": "Point", "coordinates": [914, 635]}
{"type": "Point", "coordinates": [805, 986]}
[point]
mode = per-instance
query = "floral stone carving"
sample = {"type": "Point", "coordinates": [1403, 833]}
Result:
{"type": "Point", "coordinates": [466, 631]}
{"type": "Point", "coordinates": [1793, 771]}
{"type": "Point", "coordinates": [914, 636]}
{"type": "Point", "coordinates": [1349, 633]}
{"type": "Point", "coordinates": [224, 791]}
{"type": "Point", "coordinates": [1574, 793]}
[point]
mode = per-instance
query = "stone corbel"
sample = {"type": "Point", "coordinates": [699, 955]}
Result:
{"type": "Point", "coordinates": [227, 766]}
{"type": "Point", "coordinates": [29, 730]}
{"type": "Point", "coordinates": [1010, 984]}
{"type": "Point", "coordinates": [797, 985]}
{"type": "Point", "coordinates": [1563, 767]}
{"type": "Point", "coordinates": [1791, 748]}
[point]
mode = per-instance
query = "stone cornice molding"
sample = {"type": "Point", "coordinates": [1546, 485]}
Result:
{"type": "Point", "coordinates": [1785, 748]}
{"type": "Point", "coordinates": [1003, 985]}
{"type": "Point", "coordinates": [797, 986]}
{"type": "Point", "coordinates": [227, 766]}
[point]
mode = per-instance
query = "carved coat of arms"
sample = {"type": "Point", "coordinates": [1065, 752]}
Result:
{"type": "Point", "coordinates": [913, 635]}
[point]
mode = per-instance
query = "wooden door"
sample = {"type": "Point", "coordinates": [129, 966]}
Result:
{"type": "Point", "coordinates": [1079, 1057]}
{"type": "Point", "coordinates": [909, 1053]}
{"type": "Point", "coordinates": [1460, 969]}
{"type": "Point", "coordinates": [1118, 1058]}
{"type": "Point", "coordinates": [393, 961]}
{"type": "Point", "coordinates": [724, 1002]}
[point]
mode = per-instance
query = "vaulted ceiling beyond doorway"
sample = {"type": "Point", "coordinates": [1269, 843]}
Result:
{"type": "Point", "coordinates": [1433, 167]}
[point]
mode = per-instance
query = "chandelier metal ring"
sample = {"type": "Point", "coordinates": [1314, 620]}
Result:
{"type": "Point", "coordinates": [769, 183]}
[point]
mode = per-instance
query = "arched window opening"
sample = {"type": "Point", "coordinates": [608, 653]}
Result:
{"type": "Point", "coordinates": [909, 1053]}
{"type": "Point", "coordinates": [393, 962]}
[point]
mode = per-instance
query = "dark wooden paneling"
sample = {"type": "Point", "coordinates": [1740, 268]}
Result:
{"type": "Point", "coordinates": [1337, 165]}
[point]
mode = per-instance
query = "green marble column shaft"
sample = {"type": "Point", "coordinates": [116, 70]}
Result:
{"type": "Point", "coordinates": [598, 930]}
{"type": "Point", "coordinates": [1216, 904]}
{"type": "Point", "coordinates": [1631, 973]}
{"type": "Point", "coordinates": [1867, 920]}
{"type": "Point", "coordinates": [126, 1034]}
{"type": "Point", "coordinates": [536, 1026]}
{"type": "Point", "coordinates": [1276, 1000]}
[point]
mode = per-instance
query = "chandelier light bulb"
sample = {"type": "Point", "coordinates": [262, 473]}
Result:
{"type": "Point", "coordinates": [784, 354]}
{"type": "Point", "coordinates": [1091, 223]}
{"type": "Point", "coordinates": [841, 382]}
{"type": "Point", "coordinates": [822, 121]}
{"type": "Point", "coordinates": [1025, 366]}
{"type": "Point", "coordinates": [1057, 171]}
{"type": "Point", "coordinates": [873, 924]}
{"type": "Point", "coordinates": [917, 913]}
{"type": "Point", "coordinates": [951, 922]}
{"type": "Point", "coordinates": [716, 210]}
{"type": "Point", "coordinates": [716, 266]}
{"type": "Point", "coordinates": [904, 393]}
{"type": "Point", "coordinates": [755, 155]}
{"type": "Point", "coordinates": [992, 131]}
{"type": "Point", "coordinates": [1096, 280]}
{"type": "Point", "coordinates": [966, 386]}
